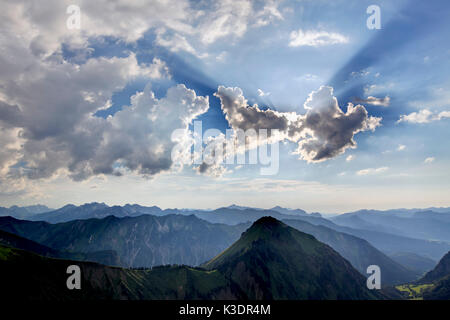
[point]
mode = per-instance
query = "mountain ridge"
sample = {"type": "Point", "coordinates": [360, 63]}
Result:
{"type": "Point", "coordinates": [34, 277]}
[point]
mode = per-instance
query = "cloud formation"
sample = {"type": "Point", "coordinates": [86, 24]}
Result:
{"type": "Point", "coordinates": [424, 116]}
{"type": "Point", "coordinates": [383, 102]}
{"type": "Point", "coordinates": [47, 107]}
{"type": "Point", "coordinates": [314, 38]}
{"type": "Point", "coordinates": [48, 103]}
{"type": "Point", "coordinates": [324, 132]}
{"type": "Point", "coordinates": [229, 19]}
{"type": "Point", "coordinates": [372, 171]}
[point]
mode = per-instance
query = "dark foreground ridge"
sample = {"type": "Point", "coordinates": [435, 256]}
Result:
{"type": "Point", "coordinates": [270, 261]}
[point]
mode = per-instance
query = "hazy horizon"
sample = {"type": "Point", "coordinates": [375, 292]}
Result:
{"type": "Point", "coordinates": [229, 205]}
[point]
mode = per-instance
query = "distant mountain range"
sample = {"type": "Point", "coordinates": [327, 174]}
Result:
{"type": "Point", "coordinates": [419, 264]}
{"type": "Point", "coordinates": [147, 241]}
{"type": "Point", "coordinates": [150, 236]}
{"type": "Point", "coordinates": [142, 241]}
{"type": "Point", "coordinates": [423, 224]}
{"type": "Point", "coordinates": [359, 252]}
{"type": "Point", "coordinates": [23, 212]}
{"type": "Point", "coordinates": [230, 215]}
{"type": "Point", "coordinates": [270, 261]}
{"type": "Point", "coordinates": [384, 237]}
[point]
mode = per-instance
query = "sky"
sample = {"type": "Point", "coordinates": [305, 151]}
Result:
{"type": "Point", "coordinates": [102, 102]}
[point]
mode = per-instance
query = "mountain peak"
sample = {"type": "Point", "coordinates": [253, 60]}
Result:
{"type": "Point", "coordinates": [268, 221]}
{"type": "Point", "coordinates": [271, 253]}
{"type": "Point", "coordinates": [288, 211]}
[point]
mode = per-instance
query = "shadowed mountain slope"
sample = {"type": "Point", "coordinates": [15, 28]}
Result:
{"type": "Point", "coordinates": [274, 261]}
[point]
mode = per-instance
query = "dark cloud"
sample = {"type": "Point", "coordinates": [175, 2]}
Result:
{"type": "Point", "coordinates": [10, 115]}
{"type": "Point", "coordinates": [324, 132]}
{"type": "Point", "coordinates": [240, 115]}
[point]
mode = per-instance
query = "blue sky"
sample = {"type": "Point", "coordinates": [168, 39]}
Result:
{"type": "Point", "coordinates": [276, 52]}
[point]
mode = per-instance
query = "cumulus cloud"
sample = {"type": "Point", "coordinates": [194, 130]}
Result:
{"type": "Point", "coordinates": [180, 22]}
{"type": "Point", "coordinates": [10, 143]}
{"type": "Point", "coordinates": [401, 147]}
{"type": "Point", "coordinates": [350, 158]}
{"type": "Point", "coordinates": [383, 102]}
{"type": "Point", "coordinates": [43, 26]}
{"type": "Point", "coordinates": [137, 138]}
{"type": "Point", "coordinates": [47, 105]}
{"type": "Point", "coordinates": [242, 116]}
{"type": "Point", "coordinates": [52, 107]}
{"type": "Point", "coordinates": [324, 132]}
{"type": "Point", "coordinates": [429, 160]}
{"type": "Point", "coordinates": [140, 136]}
{"type": "Point", "coordinates": [372, 171]}
{"type": "Point", "coordinates": [424, 116]}
{"type": "Point", "coordinates": [314, 38]}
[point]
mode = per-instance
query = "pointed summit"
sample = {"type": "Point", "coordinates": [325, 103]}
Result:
{"type": "Point", "coordinates": [274, 261]}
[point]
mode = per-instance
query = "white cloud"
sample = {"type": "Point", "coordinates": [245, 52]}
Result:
{"type": "Point", "coordinates": [47, 103]}
{"type": "Point", "coordinates": [429, 160]}
{"type": "Point", "coordinates": [372, 171]}
{"type": "Point", "coordinates": [374, 89]}
{"type": "Point", "coordinates": [350, 158]}
{"type": "Point", "coordinates": [233, 17]}
{"type": "Point", "coordinates": [424, 116]}
{"type": "Point", "coordinates": [222, 56]}
{"type": "Point", "coordinates": [43, 27]}
{"type": "Point", "coordinates": [268, 14]}
{"type": "Point", "coordinates": [176, 42]}
{"type": "Point", "coordinates": [315, 38]}
{"type": "Point", "coordinates": [47, 107]}
{"type": "Point", "coordinates": [401, 147]}
{"type": "Point", "coordinates": [262, 93]}
{"type": "Point", "coordinates": [383, 102]}
{"type": "Point", "coordinates": [308, 77]}
{"type": "Point", "coordinates": [362, 73]}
